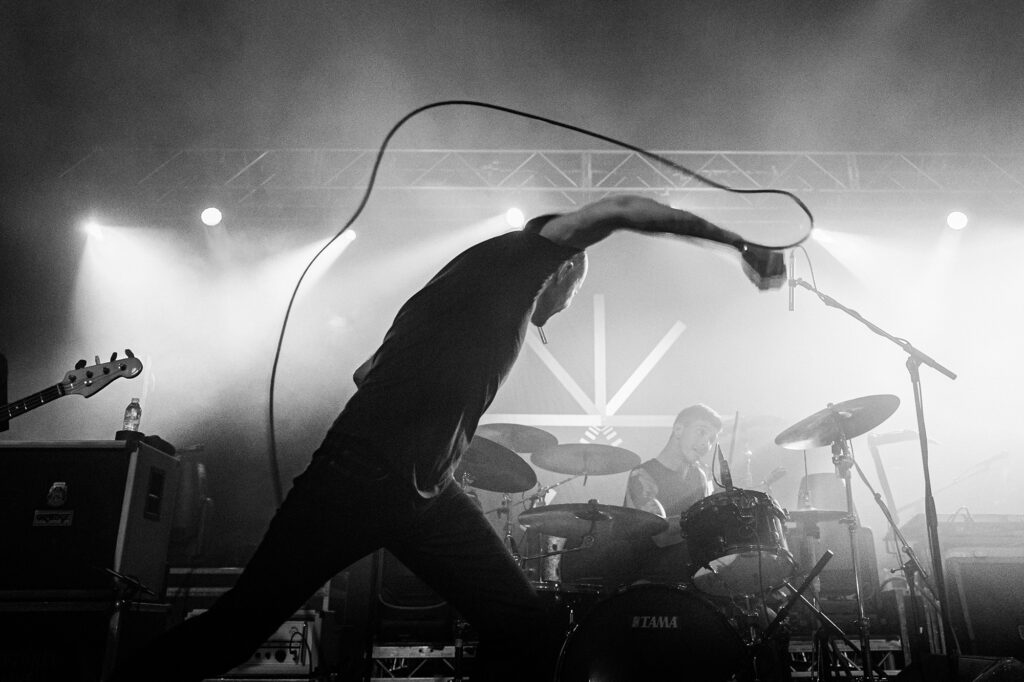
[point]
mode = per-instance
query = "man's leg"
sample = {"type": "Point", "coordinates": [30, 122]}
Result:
{"type": "Point", "coordinates": [449, 544]}
{"type": "Point", "coordinates": [327, 521]}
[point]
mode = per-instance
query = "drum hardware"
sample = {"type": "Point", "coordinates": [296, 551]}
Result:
{"type": "Point", "coordinates": [835, 426]}
{"type": "Point", "coordinates": [823, 641]}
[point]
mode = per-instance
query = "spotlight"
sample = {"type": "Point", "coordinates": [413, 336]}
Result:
{"type": "Point", "coordinates": [211, 216]}
{"type": "Point", "coordinates": [515, 218]}
{"type": "Point", "coordinates": [957, 220]}
{"type": "Point", "coordinates": [93, 229]}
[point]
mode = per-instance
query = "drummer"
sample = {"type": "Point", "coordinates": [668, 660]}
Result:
{"type": "Point", "coordinates": [668, 485]}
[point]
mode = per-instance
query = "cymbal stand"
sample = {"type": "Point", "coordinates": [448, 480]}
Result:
{"type": "Point", "coordinates": [827, 632]}
{"type": "Point", "coordinates": [812, 535]}
{"type": "Point", "coordinates": [910, 567]}
{"type": "Point", "coordinates": [509, 541]}
{"type": "Point", "coordinates": [842, 458]}
{"type": "Point", "coordinates": [537, 499]}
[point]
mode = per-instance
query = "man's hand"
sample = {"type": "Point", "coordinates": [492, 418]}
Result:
{"type": "Point", "coordinates": [766, 268]}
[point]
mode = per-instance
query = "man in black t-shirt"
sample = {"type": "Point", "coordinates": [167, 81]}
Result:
{"type": "Point", "coordinates": [383, 475]}
{"type": "Point", "coordinates": [670, 484]}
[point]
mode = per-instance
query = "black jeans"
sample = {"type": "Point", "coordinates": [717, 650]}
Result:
{"type": "Point", "coordinates": [341, 508]}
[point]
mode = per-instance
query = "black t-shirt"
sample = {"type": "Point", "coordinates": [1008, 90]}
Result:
{"type": "Point", "coordinates": [449, 349]}
{"type": "Point", "coordinates": [676, 490]}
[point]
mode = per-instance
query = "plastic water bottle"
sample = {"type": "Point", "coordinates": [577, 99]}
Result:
{"type": "Point", "coordinates": [132, 415]}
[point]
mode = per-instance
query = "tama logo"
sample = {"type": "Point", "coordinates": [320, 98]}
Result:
{"type": "Point", "coordinates": [655, 622]}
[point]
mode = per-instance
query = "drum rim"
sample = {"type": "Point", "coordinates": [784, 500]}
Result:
{"type": "Point", "coordinates": [567, 587]}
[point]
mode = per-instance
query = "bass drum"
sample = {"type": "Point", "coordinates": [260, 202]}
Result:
{"type": "Point", "coordinates": [652, 632]}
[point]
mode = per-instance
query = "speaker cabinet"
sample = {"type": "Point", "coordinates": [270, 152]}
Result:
{"type": "Point", "coordinates": [986, 599]}
{"type": "Point", "coordinates": [71, 512]}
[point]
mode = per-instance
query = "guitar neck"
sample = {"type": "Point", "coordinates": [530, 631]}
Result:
{"type": "Point", "coordinates": [19, 407]}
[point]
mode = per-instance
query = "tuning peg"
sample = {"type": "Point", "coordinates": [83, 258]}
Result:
{"type": "Point", "coordinates": [80, 364]}
{"type": "Point", "coordinates": [113, 356]}
{"type": "Point", "coordinates": [97, 359]}
{"type": "Point", "coordinates": [129, 353]}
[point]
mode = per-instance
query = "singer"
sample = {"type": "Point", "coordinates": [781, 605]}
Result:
{"type": "Point", "coordinates": [668, 485]}
{"type": "Point", "coordinates": [383, 475]}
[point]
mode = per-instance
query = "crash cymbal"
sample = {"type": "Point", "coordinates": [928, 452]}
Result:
{"type": "Point", "coordinates": [585, 459]}
{"type": "Point", "coordinates": [517, 437]}
{"type": "Point", "coordinates": [809, 515]}
{"type": "Point", "coordinates": [574, 520]}
{"type": "Point", "coordinates": [838, 422]}
{"type": "Point", "coordinates": [494, 467]}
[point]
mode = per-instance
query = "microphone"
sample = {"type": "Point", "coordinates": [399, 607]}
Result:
{"type": "Point", "coordinates": [724, 466]}
{"type": "Point", "coordinates": [792, 277]}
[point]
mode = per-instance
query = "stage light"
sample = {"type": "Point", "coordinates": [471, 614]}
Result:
{"type": "Point", "coordinates": [211, 216]}
{"type": "Point", "coordinates": [956, 220]}
{"type": "Point", "coordinates": [93, 229]}
{"type": "Point", "coordinates": [515, 218]}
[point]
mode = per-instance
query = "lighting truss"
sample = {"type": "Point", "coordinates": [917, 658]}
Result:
{"type": "Point", "coordinates": [843, 184]}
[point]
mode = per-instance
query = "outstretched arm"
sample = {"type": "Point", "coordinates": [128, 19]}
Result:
{"type": "Point", "coordinates": [594, 222]}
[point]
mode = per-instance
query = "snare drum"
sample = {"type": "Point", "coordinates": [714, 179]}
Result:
{"type": "Point", "coordinates": [737, 543]}
{"type": "Point", "coordinates": [652, 632]}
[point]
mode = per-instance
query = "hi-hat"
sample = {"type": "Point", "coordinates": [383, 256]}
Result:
{"type": "Point", "coordinates": [838, 422]}
{"type": "Point", "coordinates": [494, 467]}
{"type": "Point", "coordinates": [574, 520]}
{"type": "Point", "coordinates": [517, 437]}
{"type": "Point", "coordinates": [585, 459]}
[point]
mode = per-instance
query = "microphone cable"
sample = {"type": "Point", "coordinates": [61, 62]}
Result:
{"type": "Point", "coordinates": [274, 467]}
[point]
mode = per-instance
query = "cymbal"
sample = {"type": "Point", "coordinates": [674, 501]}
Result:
{"type": "Point", "coordinates": [517, 437]}
{"type": "Point", "coordinates": [494, 467]}
{"type": "Point", "coordinates": [838, 422]}
{"type": "Point", "coordinates": [573, 520]}
{"type": "Point", "coordinates": [585, 459]}
{"type": "Point", "coordinates": [810, 515]}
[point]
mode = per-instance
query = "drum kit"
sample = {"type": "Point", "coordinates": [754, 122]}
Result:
{"type": "Point", "coordinates": [714, 623]}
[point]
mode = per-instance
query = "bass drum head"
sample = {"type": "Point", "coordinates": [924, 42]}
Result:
{"type": "Point", "coordinates": [652, 632]}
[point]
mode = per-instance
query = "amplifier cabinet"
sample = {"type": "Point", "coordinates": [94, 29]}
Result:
{"type": "Point", "coordinates": [72, 511]}
{"type": "Point", "coordinates": [986, 598]}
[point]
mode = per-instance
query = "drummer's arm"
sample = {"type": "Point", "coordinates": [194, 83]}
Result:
{"type": "Point", "coordinates": [642, 493]}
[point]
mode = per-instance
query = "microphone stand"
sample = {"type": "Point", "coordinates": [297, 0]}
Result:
{"type": "Point", "coordinates": [914, 360]}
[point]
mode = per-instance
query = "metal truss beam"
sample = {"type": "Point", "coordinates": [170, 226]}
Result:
{"type": "Point", "coordinates": [324, 178]}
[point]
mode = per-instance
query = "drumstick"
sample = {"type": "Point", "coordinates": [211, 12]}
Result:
{"type": "Point", "coordinates": [735, 428]}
